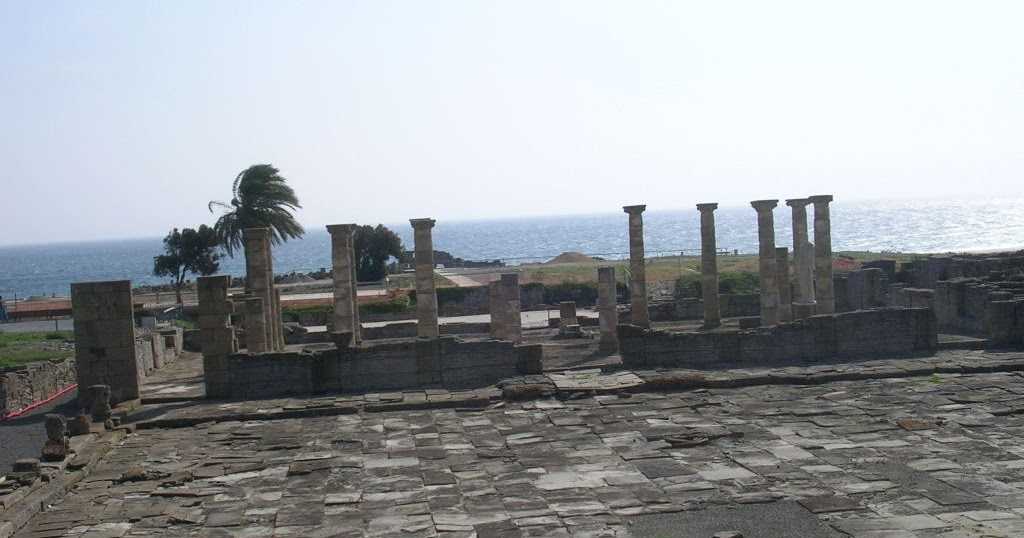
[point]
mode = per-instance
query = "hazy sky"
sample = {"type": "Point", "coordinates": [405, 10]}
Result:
{"type": "Point", "coordinates": [122, 119]}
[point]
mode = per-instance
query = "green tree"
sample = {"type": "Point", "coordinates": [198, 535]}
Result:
{"type": "Point", "coordinates": [261, 197]}
{"type": "Point", "coordinates": [187, 251]}
{"type": "Point", "coordinates": [374, 245]}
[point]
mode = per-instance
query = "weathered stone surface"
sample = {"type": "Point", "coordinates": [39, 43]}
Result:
{"type": "Point", "coordinates": [99, 398]}
{"type": "Point", "coordinates": [607, 307]}
{"type": "Point", "coordinates": [79, 425]}
{"type": "Point", "coordinates": [346, 309]}
{"type": "Point", "coordinates": [766, 261]}
{"type": "Point", "coordinates": [56, 427]}
{"type": "Point", "coordinates": [105, 351]}
{"type": "Point", "coordinates": [426, 295]}
{"type": "Point", "coordinates": [709, 266]}
{"type": "Point", "coordinates": [823, 285]}
{"type": "Point", "coordinates": [591, 461]}
{"type": "Point", "coordinates": [637, 267]}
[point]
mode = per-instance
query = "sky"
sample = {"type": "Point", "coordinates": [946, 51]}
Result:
{"type": "Point", "coordinates": [123, 119]}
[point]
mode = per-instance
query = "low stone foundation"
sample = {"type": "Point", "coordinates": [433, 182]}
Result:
{"type": "Point", "coordinates": [25, 385]}
{"type": "Point", "coordinates": [881, 333]}
{"type": "Point", "coordinates": [446, 362]}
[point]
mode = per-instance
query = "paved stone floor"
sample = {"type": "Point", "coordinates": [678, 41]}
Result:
{"type": "Point", "coordinates": [940, 455]}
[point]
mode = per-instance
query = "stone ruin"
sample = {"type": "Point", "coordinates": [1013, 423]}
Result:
{"type": "Point", "coordinates": [803, 313]}
{"type": "Point", "coordinates": [351, 363]}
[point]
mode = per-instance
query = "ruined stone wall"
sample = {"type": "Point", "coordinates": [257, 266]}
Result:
{"type": "Point", "coordinates": [105, 338]}
{"type": "Point", "coordinates": [24, 385]}
{"type": "Point", "coordinates": [927, 272]}
{"type": "Point", "coordinates": [860, 290]}
{"type": "Point", "coordinates": [1005, 321]}
{"type": "Point", "coordinates": [887, 332]}
{"type": "Point", "coordinates": [447, 362]}
{"type": "Point", "coordinates": [963, 305]}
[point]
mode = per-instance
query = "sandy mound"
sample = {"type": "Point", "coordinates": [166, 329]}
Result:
{"type": "Point", "coordinates": [570, 257]}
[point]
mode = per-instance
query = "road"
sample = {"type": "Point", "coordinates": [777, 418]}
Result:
{"type": "Point", "coordinates": [23, 437]}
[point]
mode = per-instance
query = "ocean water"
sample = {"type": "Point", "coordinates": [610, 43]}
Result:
{"type": "Point", "coordinates": [904, 226]}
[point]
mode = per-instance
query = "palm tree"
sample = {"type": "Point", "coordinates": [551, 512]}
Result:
{"type": "Point", "coordinates": [261, 197]}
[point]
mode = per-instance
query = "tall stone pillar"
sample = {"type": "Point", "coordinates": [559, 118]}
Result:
{"type": "Point", "coordinates": [608, 316]}
{"type": "Point", "coordinates": [823, 286]}
{"type": "Point", "coordinates": [426, 295]}
{"type": "Point", "coordinates": [511, 305]}
{"type": "Point", "coordinates": [766, 261]}
{"type": "Point", "coordinates": [343, 271]}
{"type": "Point", "coordinates": [259, 280]}
{"type": "Point", "coordinates": [709, 266]}
{"type": "Point", "coordinates": [216, 335]}
{"type": "Point", "coordinates": [803, 252]}
{"type": "Point", "coordinates": [496, 306]}
{"type": "Point", "coordinates": [637, 272]}
{"type": "Point", "coordinates": [785, 288]}
{"type": "Point", "coordinates": [105, 339]}
{"type": "Point", "coordinates": [255, 325]}
{"type": "Point", "coordinates": [278, 322]}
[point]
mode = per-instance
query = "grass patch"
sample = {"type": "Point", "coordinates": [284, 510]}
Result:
{"type": "Point", "coordinates": [18, 348]}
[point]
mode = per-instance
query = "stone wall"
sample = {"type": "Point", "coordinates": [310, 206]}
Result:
{"type": "Point", "coordinates": [886, 332]}
{"type": "Point", "coordinates": [105, 338]}
{"type": "Point", "coordinates": [24, 385]}
{"type": "Point", "coordinates": [860, 290]}
{"type": "Point", "coordinates": [927, 272]}
{"type": "Point", "coordinates": [154, 348]}
{"type": "Point", "coordinates": [962, 305]}
{"type": "Point", "coordinates": [419, 363]}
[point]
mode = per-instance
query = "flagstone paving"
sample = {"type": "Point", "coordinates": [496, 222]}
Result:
{"type": "Point", "coordinates": [931, 456]}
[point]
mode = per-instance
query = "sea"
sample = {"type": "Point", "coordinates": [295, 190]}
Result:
{"type": "Point", "coordinates": [919, 226]}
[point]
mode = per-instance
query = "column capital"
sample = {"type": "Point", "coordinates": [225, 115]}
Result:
{"type": "Point", "coordinates": [764, 205]}
{"type": "Point", "coordinates": [422, 224]}
{"type": "Point", "coordinates": [707, 207]}
{"type": "Point", "coordinates": [341, 228]}
{"type": "Point", "coordinates": [798, 202]}
{"type": "Point", "coordinates": [821, 199]}
{"type": "Point", "coordinates": [634, 209]}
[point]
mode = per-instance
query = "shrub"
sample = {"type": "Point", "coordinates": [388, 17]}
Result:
{"type": "Point", "coordinates": [396, 305]}
{"type": "Point", "coordinates": [731, 282]}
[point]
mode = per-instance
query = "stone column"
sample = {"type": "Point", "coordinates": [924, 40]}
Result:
{"type": "Point", "coordinates": [803, 252]}
{"type": "Point", "coordinates": [105, 339]}
{"type": "Point", "coordinates": [216, 335]}
{"type": "Point", "coordinates": [511, 305]}
{"type": "Point", "coordinates": [343, 271]}
{"type": "Point", "coordinates": [496, 306]}
{"type": "Point", "coordinates": [637, 273]}
{"type": "Point", "coordinates": [766, 261]}
{"type": "Point", "coordinates": [278, 322]}
{"type": "Point", "coordinates": [426, 296]}
{"type": "Point", "coordinates": [785, 288]}
{"type": "Point", "coordinates": [608, 316]}
{"type": "Point", "coordinates": [255, 325]}
{"type": "Point", "coordinates": [823, 287]}
{"type": "Point", "coordinates": [567, 314]}
{"type": "Point", "coordinates": [709, 266]}
{"type": "Point", "coordinates": [259, 279]}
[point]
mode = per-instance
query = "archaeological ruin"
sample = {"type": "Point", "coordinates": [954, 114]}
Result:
{"type": "Point", "coordinates": [597, 409]}
{"type": "Point", "coordinates": [804, 313]}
